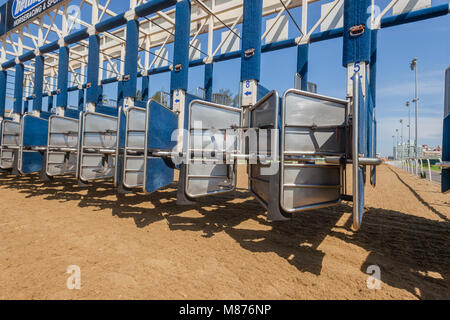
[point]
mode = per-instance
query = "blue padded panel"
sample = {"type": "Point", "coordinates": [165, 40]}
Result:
{"type": "Point", "coordinates": [159, 174]}
{"type": "Point", "coordinates": [106, 110]}
{"type": "Point", "coordinates": [72, 113]}
{"type": "Point", "coordinates": [251, 39]}
{"type": "Point", "coordinates": [262, 92]}
{"type": "Point", "coordinates": [46, 115]}
{"type": "Point", "coordinates": [162, 123]}
{"type": "Point", "coordinates": [446, 155]}
{"type": "Point", "coordinates": [35, 131]}
{"type": "Point", "coordinates": [356, 49]}
{"type": "Point", "coordinates": [31, 162]}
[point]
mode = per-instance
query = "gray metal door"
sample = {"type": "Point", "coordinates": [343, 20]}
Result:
{"type": "Point", "coordinates": [210, 140]}
{"type": "Point", "coordinates": [98, 148]}
{"type": "Point", "coordinates": [313, 127]}
{"type": "Point", "coordinates": [134, 152]}
{"type": "Point", "coordinates": [62, 150]}
{"type": "Point", "coordinates": [10, 143]}
{"type": "Point", "coordinates": [263, 141]}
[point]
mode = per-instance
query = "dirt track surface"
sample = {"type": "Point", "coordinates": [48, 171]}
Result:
{"type": "Point", "coordinates": [147, 247]}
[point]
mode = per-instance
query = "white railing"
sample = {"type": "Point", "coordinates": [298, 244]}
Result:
{"type": "Point", "coordinates": [414, 166]}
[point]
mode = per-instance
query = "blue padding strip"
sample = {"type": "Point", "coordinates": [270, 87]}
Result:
{"type": "Point", "coordinates": [153, 6]}
{"type": "Point", "coordinates": [38, 83]}
{"type": "Point", "coordinates": [179, 78]}
{"type": "Point", "coordinates": [93, 69]}
{"type": "Point", "coordinates": [111, 23]}
{"type": "Point", "coordinates": [356, 48]}
{"type": "Point", "coordinates": [76, 36]}
{"type": "Point", "coordinates": [18, 89]}
{"type": "Point", "coordinates": [131, 59]}
{"type": "Point", "coordinates": [49, 47]}
{"type": "Point", "coordinates": [63, 77]}
{"type": "Point", "coordinates": [251, 40]}
{"type": "Point", "coordinates": [27, 56]}
{"type": "Point", "coordinates": [427, 13]}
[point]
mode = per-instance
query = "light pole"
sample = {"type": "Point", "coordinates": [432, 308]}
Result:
{"type": "Point", "coordinates": [409, 128]}
{"type": "Point", "coordinates": [401, 143]}
{"type": "Point", "coordinates": [396, 156]}
{"type": "Point", "coordinates": [416, 101]}
{"type": "Point", "coordinates": [393, 147]}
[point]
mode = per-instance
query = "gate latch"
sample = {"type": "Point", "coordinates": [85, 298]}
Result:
{"type": "Point", "coordinates": [249, 52]}
{"type": "Point", "coordinates": [357, 30]}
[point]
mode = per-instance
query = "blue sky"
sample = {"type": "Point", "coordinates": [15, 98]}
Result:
{"type": "Point", "coordinates": [397, 46]}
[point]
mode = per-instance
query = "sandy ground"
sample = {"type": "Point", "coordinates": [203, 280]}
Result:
{"type": "Point", "coordinates": [147, 247]}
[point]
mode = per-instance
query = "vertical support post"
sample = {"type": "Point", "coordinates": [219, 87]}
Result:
{"type": "Point", "coordinates": [131, 62]}
{"type": "Point", "coordinates": [179, 85]}
{"type": "Point", "coordinates": [3, 84]}
{"type": "Point", "coordinates": [356, 56]}
{"type": "Point", "coordinates": [18, 91]}
{"type": "Point", "coordinates": [63, 78]}
{"type": "Point", "coordinates": [179, 74]}
{"type": "Point", "coordinates": [446, 135]}
{"type": "Point", "coordinates": [92, 72]}
{"type": "Point", "coordinates": [208, 81]}
{"type": "Point", "coordinates": [302, 65]}
{"type": "Point", "coordinates": [251, 54]}
{"type": "Point", "coordinates": [373, 92]}
{"type": "Point", "coordinates": [38, 84]}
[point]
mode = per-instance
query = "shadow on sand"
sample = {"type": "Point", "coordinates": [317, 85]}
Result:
{"type": "Point", "coordinates": [412, 252]}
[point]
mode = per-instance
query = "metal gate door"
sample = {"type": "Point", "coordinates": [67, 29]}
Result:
{"type": "Point", "coordinates": [62, 150]}
{"type": "Point", "coordinates": [209, 141]}
{"type": "Point", "coordinates": [264, 144]}
{"type": "Point", "coordinates": [134, 156]}
{"type": "Point", "coordinates": [98, 146]}
{"type": "Point", "coordinates": [10, 143]}
{"type": "Point", "coordinates": [313, 127]}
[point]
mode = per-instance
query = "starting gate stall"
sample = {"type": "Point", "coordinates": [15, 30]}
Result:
{"type": "Point", "coordinates": [313, 128]}
{"type": "Point", "coordinates": [147, 147]}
